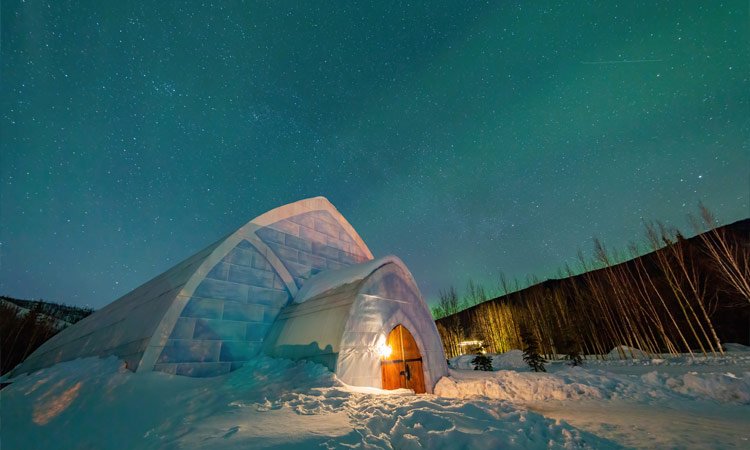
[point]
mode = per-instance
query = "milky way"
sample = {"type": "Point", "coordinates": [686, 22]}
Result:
{"type": "Point", "coordinates": [466, 138]}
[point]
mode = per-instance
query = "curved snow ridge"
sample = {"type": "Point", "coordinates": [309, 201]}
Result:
{"type": "Point", "coordinates": [594, 384]}
{"type": "Point", "coordinates": [518, 387]}
{"type": "Point", "coordinates": [724, 387]}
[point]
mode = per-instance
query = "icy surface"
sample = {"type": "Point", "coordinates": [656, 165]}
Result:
{"type": "Point", "coordinates": [668, 402]}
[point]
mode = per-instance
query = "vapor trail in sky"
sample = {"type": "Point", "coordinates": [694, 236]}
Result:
{"type": "Point", "coordinates": [623, 61]}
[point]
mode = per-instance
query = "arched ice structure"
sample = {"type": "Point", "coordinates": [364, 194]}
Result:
{"type": "Point", "coordinates": [263, 287]}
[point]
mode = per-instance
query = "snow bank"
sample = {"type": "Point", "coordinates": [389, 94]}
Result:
{"type": "Point", "coordinates": [738, 348]}
{"type": "Point", "coordinates": [721, 387]}
{"type": "Point", "coordinates": [576, 383]}
{"type": "Point", "coordinates": [462, 362]}
{"type": "Point", "coordinates": [597, 381]}
{"type": "Point", "coordinates": [625, 352]}
{"type": "Point", "coordinates": [516, 387]}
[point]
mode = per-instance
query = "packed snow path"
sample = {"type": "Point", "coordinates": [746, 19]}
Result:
{"type": "Point", "coordinates": [271, 403]}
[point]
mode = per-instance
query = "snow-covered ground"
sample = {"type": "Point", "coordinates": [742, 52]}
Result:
{"type": "Point", "coordinates": [670, 402]}
{"type": "Point", "coordinates": [270, 403]}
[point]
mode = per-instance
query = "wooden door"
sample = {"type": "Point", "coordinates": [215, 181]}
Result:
{"type": "Point", "coordinates": [403, 368]}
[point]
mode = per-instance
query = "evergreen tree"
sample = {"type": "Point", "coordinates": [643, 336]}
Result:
{"type": "Point", "coordinates": [572, 347]}
{"type": "Point", "coordinates": [575, 358]}
{"type": "Point", "coordinates": [482, 362]}
{"type": "Point", "coordinates": [531, 351]}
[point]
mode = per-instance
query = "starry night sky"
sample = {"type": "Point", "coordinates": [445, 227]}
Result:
{"type": "Point", "coordinates": [466, 138]}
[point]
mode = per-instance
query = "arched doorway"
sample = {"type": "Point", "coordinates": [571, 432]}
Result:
{"type": "Point", "coordinates": [403, 367]}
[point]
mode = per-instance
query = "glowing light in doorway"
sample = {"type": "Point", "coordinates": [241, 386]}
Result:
{"type": "Point", "coordinates": [384, 350]}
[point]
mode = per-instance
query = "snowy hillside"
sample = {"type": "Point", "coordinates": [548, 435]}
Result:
{"type": "Point", "coordinates": [272, 403]}
{"type": "Point", "coordinates": [27, 324]}
{"type": "Point", "coordinates": [61, 314]}
{"type": "Point", "coordinates": [22, 311]}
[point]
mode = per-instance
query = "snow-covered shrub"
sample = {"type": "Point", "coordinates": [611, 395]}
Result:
{"type": "Point", "coordinates": [482, 362]}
